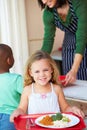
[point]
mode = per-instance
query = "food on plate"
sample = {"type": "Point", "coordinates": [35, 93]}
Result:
{"type": "Point", "coordinates": [57, 120]}
{"type": "Point", "coordinates": [47, 120]}
{"type": "Point", "coordinates": [57, 116]}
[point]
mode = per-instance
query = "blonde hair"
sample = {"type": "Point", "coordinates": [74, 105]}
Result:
{"type": "Point", "coordinates": [38, 55]}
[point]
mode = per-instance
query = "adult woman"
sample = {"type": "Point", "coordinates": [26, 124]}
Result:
{"type": "Point", "coordinates": [70, 16]}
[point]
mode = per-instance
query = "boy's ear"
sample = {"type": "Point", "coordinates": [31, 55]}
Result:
{"type": "Point", "coordinates": [8, 61]}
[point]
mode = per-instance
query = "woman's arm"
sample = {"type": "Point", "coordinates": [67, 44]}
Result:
{"type": "Point", "coordinates": [49, 31]}
{"type": "Point", "coordinates": [71, 75]}
{"type": "Point", "coordinates": [80, 8]}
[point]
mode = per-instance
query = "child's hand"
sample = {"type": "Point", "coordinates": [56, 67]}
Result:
{"type": "Point", "coordinates": [16, 113]}
{"type": "Point", "coordinates": [76, 111]}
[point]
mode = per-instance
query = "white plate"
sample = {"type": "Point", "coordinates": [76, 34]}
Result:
{"type": "Point", "coordinates": [74, 120]}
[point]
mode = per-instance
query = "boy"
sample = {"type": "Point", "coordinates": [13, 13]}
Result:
{"type": "Point", "coordinates": [11, 86]}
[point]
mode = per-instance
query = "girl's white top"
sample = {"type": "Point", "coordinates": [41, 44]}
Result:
{"type": "Point", "coordinates": [43, 103]}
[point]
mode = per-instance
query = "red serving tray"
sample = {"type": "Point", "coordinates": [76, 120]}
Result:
{"type": "Point", "coordinates": [20, 123]}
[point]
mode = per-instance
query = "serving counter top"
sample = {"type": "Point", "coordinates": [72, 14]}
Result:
{"type": "Point", "coordinates": [78, 90]}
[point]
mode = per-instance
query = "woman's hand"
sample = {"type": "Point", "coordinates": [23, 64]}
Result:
{"type": "Point", "coordinates": [70, 77]}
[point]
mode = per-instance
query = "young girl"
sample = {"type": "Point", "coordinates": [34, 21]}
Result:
{"type": "Point", "coordinates": [42, 94]}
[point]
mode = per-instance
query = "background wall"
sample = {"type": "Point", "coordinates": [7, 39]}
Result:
{"type": "Point", "coordinates": [13, 31]}
{"type": "Point", "coordinates": [35, 27]}
{"type": "Point", "coordinates": [21, 27]}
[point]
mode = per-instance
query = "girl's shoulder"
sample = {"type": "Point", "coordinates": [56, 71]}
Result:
{"type": "Point", "coordinates": [57, 88]}
{"type": "Point", "coordinates": [28, 89]}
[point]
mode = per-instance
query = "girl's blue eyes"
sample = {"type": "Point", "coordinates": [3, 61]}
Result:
{"type": "Point", "coordinates": [36, 71]}
{"type": "Point", "coordinates": [46, 70]}
{"type": "Point", "coordinates": [39, 71]}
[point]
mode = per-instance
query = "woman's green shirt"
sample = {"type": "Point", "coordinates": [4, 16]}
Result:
{"type": "Point", "coordinates": [80, 8]}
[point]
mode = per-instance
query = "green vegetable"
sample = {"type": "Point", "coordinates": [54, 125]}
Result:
{"type": "Point", "coordinates": [65, 119]}
{"type": "Point", "coordinates": [54, 117]}
{"type": "Point", "coordinates": [58, 116]}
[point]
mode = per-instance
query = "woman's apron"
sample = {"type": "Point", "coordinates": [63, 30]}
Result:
{"type": "Point", "coordinates": [69, 45]}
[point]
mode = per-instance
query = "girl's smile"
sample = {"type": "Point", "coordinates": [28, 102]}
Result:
{"type": "Point", "coordinates": [41, 71]}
